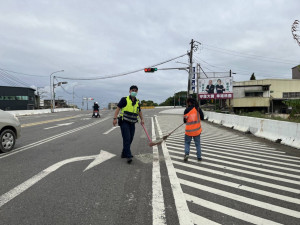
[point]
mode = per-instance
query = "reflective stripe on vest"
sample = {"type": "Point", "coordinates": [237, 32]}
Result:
{"type": "Point", "coordinates": [130, 112]}
{"type": "Point", "coordinates": [193, 123]}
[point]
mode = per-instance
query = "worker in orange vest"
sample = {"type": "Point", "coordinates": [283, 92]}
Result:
{"type": "Point", "coordinates": [192, 117]}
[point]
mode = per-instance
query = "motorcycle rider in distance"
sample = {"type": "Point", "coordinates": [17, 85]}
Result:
{"type": "Point", "coordinates": [96, 109]}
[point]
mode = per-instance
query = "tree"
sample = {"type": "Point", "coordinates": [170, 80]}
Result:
{"type": "Point", "coordinates": [180, 98]}
{"type": "Point", "coordinates": [148, 103]}
{"type": "Point", "coordinates": [295, 104]}
{"type": "Point", "coordinates": [252, 77]}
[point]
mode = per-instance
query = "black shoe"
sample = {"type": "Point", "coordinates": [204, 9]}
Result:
{"type": "Point", "coordinates": [199, 159]}
{"type": "Point", "coordinates": [129, 160]}
{"type": "Point", "coordinates": [186, 157]}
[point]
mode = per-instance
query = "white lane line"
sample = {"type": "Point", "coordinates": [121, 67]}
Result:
{"type": "Point", "coordinates": [110, 130]}
{"type": "Point", "coordinates": [229, 168]}
{"type": "Point", "coordinates": [158, 204]}
{"type": "Point", "coordinates": [244, 154]}
{"type": "Point", "coordinates": [182, 209]}
{"type": "Point", "coordinates": [240, 187]}
{"type": "Point", "coordinates": [227, 211]}
{"type": "Point", "coordinates": [58, 125]}
{"type": "Point", "coordinates": [26, 147]}
{"type": "Point", "coordinates": [272, 171]}
{"type": "Point", "coordinates": [237, 177]}
{"type": "Point", "coordinates": [246, 200]}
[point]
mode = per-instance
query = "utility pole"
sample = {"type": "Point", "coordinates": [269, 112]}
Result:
{"type": "Point", "coordinates": [190, 69]}
{"type": "Point", "coordinates": [174, 99]}
{"type": "Point", "coordinates": [82, 104]}
{"type": "Point", "coordinates": [197, 80]}
{"type": "Point", "coordinates": [53, 106]}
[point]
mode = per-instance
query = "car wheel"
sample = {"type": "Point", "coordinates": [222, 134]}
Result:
{"type": "Point", "coordinates": [8, 140]}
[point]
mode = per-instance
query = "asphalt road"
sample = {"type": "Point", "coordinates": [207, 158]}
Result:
{"type": "Point", "coordinates": [66, 169]}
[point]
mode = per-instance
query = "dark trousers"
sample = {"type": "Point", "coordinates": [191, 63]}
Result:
{"type": "Point", "coordinates": [127, 130]}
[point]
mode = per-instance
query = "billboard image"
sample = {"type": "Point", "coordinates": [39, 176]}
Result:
{"type": "Point", "coordinates": [215, 88]}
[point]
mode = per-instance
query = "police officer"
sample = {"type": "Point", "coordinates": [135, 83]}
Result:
{"type": "Point", "coordinates": [130, 111]}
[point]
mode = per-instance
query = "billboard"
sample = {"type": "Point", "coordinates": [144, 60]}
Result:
{"type": "Point", "coordinates": [215, 88]}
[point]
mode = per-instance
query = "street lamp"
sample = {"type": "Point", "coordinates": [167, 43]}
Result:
{"type": "Point", "coordinates": [58, 84]}
{"type": "Point", "coordinates": [52, 86]}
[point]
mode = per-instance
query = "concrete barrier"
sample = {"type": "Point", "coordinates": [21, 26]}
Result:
{"type": "Point", "coordinates": [38, 111]}
{"type": "Point", "coordinates": [287, 133]}
{"type": "Point", "coordinates": [178, 111]}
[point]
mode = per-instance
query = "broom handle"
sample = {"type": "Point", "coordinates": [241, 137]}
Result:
{"type": "Point", "coordinates": [176, 128]}
{"type": "Point", "coordinates": [146, 133]}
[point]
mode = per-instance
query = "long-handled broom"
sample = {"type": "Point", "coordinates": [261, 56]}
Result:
{"type": "Point", "coordinates": [159, 141]}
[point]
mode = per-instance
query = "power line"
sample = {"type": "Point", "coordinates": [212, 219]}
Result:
{"type": "Point", "coordinates": [247, 70]}
{"type": "Point", "coordinates": [120, 74]}
{"type": "Point", "coordinates": [12, 77]}
{"type": "Point", "coordinates": [66, 90]}
{"type": "Point", "coordinates": [22, 73]}
{"type": "Point", "coordinates": [247, 55]}
{"type": "Point", "coordinates": [7, 81]}
{"type": "Point", "coordinates": [240, 71]}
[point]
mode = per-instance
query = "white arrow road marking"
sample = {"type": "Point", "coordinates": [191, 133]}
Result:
{"type": "Point", "coordinates": [59, 125]}
{"type": "Point", "coordinates": [103, 156]}
{"type": "Point", "coordinates": [110, 130]}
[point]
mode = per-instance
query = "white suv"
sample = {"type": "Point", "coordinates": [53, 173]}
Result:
{"type": "Point", "coordinates": [10, 130]}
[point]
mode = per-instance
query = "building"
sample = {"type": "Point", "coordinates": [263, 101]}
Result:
{"type": "Point", "coordinates": [112, 105]}
{"type": "Point", "coordinates": [59, 103]}
{"type": "Point", "coordinates": [296, 72]}
{"type": "Point", "coordinates": [17, 98]}
{"type": "Point", "coordinates": [264, 95]}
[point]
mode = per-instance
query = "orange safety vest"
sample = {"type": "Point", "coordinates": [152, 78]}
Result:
{"type": "Point", "coordinates": [193, 123]}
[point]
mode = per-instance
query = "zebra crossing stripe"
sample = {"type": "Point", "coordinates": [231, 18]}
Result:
{"type": "Point", "coordinates": [235, 139]}
{"type": "Point", "coordinates": [229, 144]}
{"type": "Point", "coordinates": [251, 167]}
{"type": "Point", "coordinates": [183, 212]}
{"type": "Point", "coordinates": [240, 187]}
{"type": "Point", "coordinates": [227, 167]}
{"type": "Point", "coordinates": [241, 153]}
{"type": "Point", "coordinates": [244, 151]}
{"type": "Point", "coordinates": [202, 220]}
{"type": "Point", "coordinates": [175, 147]}
{"type": "Point", "coordinates": [228, 211]}
{"type": "Point", "coordinates": [260, 204]}
{"type": "Point", "coordinates": [258, 182]}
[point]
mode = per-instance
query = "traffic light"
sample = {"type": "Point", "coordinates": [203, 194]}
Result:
{"type": "Point", "coordinates": [150, 70]}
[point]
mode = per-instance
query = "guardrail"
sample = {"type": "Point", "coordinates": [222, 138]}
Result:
{"type": "Point", "coordinates": [287, 133]}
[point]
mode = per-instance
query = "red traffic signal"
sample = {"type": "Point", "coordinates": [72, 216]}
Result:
{"type": "Point", "coordinates": [150, 70]}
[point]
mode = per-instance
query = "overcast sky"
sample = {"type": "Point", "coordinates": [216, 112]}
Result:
{"type": "Point", "coordinates": [100, 38]}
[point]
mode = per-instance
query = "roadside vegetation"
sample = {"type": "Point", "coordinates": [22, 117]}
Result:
{"type": "Point", "coordinates": [294, 116]}
{"type": "Point", "coordinates": [272, 117]}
